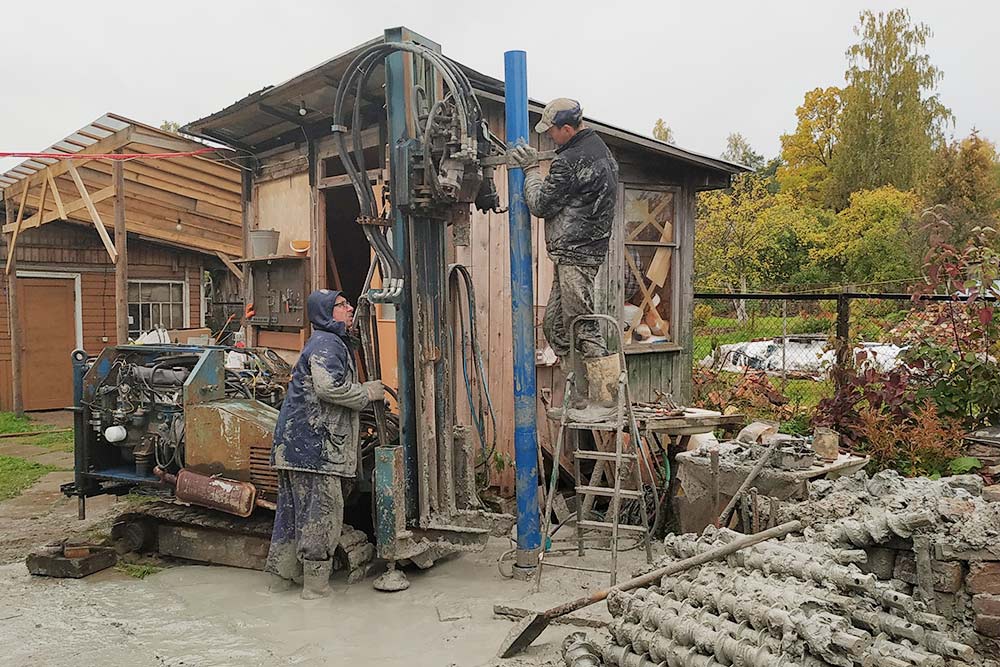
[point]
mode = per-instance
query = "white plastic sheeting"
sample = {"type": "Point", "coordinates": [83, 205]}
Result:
{"type": "Point", "coordinates": [803, 356]}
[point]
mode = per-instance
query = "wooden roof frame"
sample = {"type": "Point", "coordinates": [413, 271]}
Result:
{"type": "Point", "coordinates": [191, 202]}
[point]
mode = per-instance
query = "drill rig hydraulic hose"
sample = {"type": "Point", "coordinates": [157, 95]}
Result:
{"type": "Point", "coordinates": [459, 91]}
{"type": "Point", "coordinates": [458, 275]}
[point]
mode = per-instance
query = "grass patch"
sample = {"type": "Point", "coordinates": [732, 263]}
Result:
{"type": "Point", "coordinates": [137, 570]}
{"type": "Point", "coordinates": [11, 423]}
{"type": "Point", "coordinates": [16, 475]}
{"type": "Point", "coordinates": [57, 442]}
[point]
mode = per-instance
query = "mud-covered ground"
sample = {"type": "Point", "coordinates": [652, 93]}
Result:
{"type": "Point", "coordinates": [198, 615]}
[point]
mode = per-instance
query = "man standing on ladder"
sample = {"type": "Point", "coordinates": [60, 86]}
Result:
{"type": "Point", "coordinates": [577, 200]}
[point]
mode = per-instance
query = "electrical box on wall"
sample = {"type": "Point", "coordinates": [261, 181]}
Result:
{"type": "Point", "coordinates": [279, 291]}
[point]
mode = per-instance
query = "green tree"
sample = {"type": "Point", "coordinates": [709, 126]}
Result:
{"type": "Point", "coordinates": [962, 179]}
{"type": "Point", "coordinates": [171, 126]}
{"type": "Point", "coordinates": [732, 238]}
{"type": "Point", "coordinates": [892, 118]}
{"type": "Point", "coordinates": [873, 239]}
{"type": "Point", "coordinates": [663, 132]}
{"type": "Point", "coordinates": [808, 152]}
{"type": "Point", "coordinates": [738, 150]}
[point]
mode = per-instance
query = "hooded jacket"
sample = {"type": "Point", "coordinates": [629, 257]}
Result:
{"type": "Point", "coordinates": [577, 200]}
{"type": "Point", "coordinates": [317, 428]}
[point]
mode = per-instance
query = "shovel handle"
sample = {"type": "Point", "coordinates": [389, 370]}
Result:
{"type": "Point", "coordinates": [712, 554]}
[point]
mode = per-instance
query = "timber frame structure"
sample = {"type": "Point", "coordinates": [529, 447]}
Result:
{"type": "Point", "coordinates": [191, 203]}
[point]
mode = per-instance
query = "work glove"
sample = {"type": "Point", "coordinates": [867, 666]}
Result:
{"type": "Point", "coordinates": [375, 390]}
{"type": "Point", "coordinates": [523, 156]}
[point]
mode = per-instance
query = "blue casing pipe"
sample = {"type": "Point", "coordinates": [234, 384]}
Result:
{"type": "Point", "coordinates": [522, 305]}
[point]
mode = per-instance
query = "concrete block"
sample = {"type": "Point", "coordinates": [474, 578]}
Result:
{"type": "Point", "coordinates": [988, 625]}
{"type": "Point", "coordinates": [984, 577]}
{"type": "Point", "coordinates": [881, 562]}
{"type": "Point", "coordinates": [51, 565]}
{"type": "Point", "coordinates": [991, 493]}
{"type": "Point", "coordinates": [948, 576]}
{"type": "Point", "coordinates": [986, 604]}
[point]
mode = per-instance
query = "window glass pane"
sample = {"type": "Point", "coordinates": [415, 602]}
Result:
{"type": "Point", "coordinates": [648, 258]}
{"type": "Point", "coordinates": [649, 216]}
{"type": "Point", "coordinates": [177, 293]}
{"type": "Point", "coordinates": [144, 319]}
{"type": "Point", "coordinates": [176, 316]}
{"type": "Point", "coordinates": [133, 292]}
{"type": "Point", "coordinates": [159, 292]}
{"type": "Point", "coordinates": [145, 291]}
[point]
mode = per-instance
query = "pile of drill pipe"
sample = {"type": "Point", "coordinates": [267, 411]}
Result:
{"type": "Point", "coordinates": [776, 604]}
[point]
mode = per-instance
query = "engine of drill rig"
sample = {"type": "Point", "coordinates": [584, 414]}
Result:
{"type": "Point", "coordinates": [139, 409]}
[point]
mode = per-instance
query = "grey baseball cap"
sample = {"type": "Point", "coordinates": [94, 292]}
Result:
{"type": "Point", "coordinates": [560, 111]}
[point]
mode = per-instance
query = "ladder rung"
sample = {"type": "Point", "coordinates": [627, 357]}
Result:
{"type": "Point", "coordinates": [602, 456]}
{"type": "Point", "coordinates": [603, 525]}
{"type": "Point", "coordinates": [606, 491]}
{"type": "Point", "coordinates": [597, 426]}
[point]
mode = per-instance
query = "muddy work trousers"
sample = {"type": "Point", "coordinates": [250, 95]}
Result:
{"type": "Point", "coordinates": [307, 523]}
{"type": "Point", "coordinates": [572, 295]}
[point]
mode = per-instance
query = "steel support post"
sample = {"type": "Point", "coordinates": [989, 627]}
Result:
{"type": "Point", "coordinates": [523, 320]}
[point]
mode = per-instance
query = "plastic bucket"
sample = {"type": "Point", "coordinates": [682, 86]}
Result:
{"type": "Point", "coordinates": [264, 242]}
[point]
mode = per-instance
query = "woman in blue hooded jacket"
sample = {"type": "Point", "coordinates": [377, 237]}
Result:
{"type": "Point", "coordinates": [316, 447]}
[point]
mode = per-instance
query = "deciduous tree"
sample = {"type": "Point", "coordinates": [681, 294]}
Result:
{"type": "Point", "coordinates": [892, 117]}
{"type": "Point", "coordinates": [808, 152]}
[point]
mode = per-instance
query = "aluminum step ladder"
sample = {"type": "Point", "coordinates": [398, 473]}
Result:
{"type": "Point", "coordinates": [626, 464]}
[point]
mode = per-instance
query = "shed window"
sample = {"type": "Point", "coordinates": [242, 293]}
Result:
{"type": "Point", "coordinates": [155, 304]}
{"type": "Point", "coordinates": [650, 246]}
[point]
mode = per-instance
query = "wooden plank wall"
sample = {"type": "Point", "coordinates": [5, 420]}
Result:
{"type": "Point", "coordinates": [488, 258]}
{"type": "Point", "coordinates": [62, 247]}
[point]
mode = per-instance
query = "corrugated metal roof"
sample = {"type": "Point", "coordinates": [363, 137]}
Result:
{"type": "Point", "coordinates": [86, 136]}
{"type": "Point", "coordinates": [243, 124]}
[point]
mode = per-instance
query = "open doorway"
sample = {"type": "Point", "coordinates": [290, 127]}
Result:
{"type": "Point", "coordinates": [348, 252]}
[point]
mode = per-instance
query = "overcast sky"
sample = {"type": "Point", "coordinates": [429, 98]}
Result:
{"type": "Point", "coordinates": [708, 68]}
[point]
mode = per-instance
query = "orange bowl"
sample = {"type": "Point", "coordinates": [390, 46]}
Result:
{"type": "Point", "coordinates": [299, 247]}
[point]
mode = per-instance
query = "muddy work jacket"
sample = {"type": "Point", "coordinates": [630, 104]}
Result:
{"type": "Point", "coordinates": [577, 200]}
{"type": "Point", "coordinates": [317, 428]}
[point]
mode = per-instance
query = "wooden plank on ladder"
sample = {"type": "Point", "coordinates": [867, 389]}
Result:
{"type": "Point", "coordinates": [94, 215]}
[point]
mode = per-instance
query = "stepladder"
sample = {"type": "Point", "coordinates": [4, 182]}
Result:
{"type": "Point", "coordinates": [604, 477]}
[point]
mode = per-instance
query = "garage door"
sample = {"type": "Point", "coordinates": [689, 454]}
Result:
{"type": "Point", "coordinates": [48, 320]}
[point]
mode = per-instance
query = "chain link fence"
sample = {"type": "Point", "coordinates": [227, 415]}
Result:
{"type": "Point", "coordinates": [774, 355]}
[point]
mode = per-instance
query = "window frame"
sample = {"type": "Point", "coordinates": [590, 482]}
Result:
{"type": "Point", "coordinates": [185, 303]}
{"type": "Point", "coordinates": [673, 283]}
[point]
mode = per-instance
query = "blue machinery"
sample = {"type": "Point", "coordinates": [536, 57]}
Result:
{"type": "Point", "coordinates": [440, 154]}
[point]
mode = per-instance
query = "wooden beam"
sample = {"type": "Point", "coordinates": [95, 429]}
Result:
{"type": "Point", "coordinates": [55, 195]}
{"type": "Point", "coordinates": [38, 219]}
{"type": "Point", "coordinates": [16, 333]}
{"type": "Point", "coordinates": [94, 215]}
{"type": "Point", "coordinates": [230, 265]}
{"type": "Point", "coordinates": [17, 225]}
{"type": "Point", "coordinates": [17, 228]}
{"type": "Point", "coordinates": [121, 261]}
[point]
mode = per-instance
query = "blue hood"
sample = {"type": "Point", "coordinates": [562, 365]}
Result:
{"type": "Point", "coordinates": [320, 309]}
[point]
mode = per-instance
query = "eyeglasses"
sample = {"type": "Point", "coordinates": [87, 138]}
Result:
{"type": "Point", "coordinates": [341, 304]}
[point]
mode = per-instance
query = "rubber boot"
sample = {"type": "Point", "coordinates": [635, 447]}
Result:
{"type": "Point", "coordinates": [601, 402]}
{"type": "Point", "coordinates": [278, 584]}
{"type": "Point", "coordinates": [316, 578]}
{"type": "Point", "coordinates": [603, 374]}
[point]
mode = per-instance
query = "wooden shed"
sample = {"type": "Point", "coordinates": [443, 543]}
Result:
{"type": "Point", "coordinates": [74, 282]}
{"type": "Point", "coordinates": [300, 190]}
